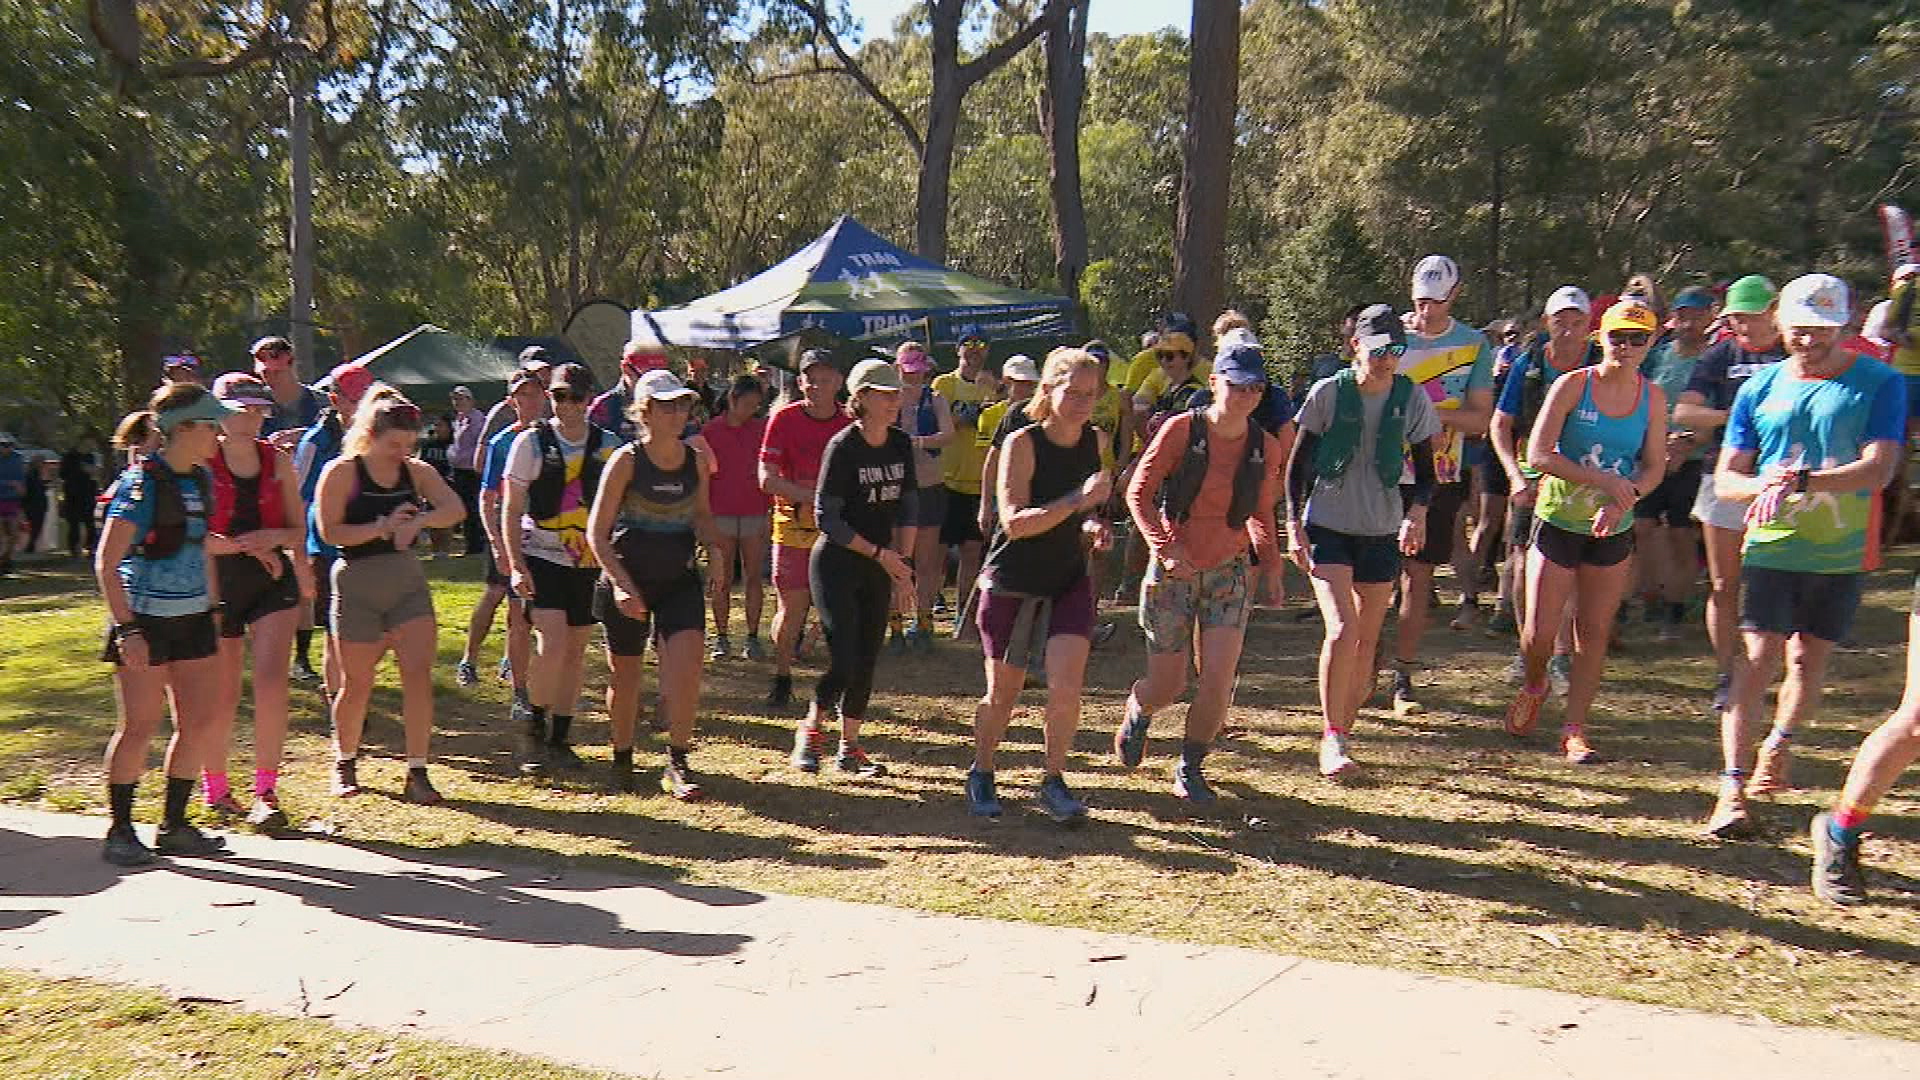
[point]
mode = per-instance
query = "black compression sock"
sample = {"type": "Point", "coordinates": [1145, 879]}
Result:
{"type": "Point", "coordinates": [179, 791]}
{"type": "Point", "coordinates": [537, 721]}
{"type": "Point", "coordinates": [120, 798]}
{"type": "Point", "coordinates": [678, 755]}
{"type": "Point", "coordinates": [561, 726]}
{"type": "Point", "coordinates": [1193, 753]}
{"type": "Point", "coordinates": [303, 646]}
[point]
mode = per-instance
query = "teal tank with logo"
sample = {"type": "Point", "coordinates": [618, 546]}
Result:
{"type": "Point", "coordinates": [1592, 438]}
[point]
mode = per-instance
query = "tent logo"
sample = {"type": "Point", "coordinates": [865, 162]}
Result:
{"type": "Point", "coordinates": [880, 324]}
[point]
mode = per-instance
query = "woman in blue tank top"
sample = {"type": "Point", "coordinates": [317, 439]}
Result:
{"type": "Point", "coordinates": [1599, 443]}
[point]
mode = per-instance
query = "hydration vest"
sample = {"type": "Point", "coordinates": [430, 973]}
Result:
{"type": "Point", "coordinates": [543, 495]}
{"type": "Point", "coordinates": [1183, 484]}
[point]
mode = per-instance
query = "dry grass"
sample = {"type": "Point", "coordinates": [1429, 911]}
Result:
{"type": "Point", "coordinates": [1462, 853]}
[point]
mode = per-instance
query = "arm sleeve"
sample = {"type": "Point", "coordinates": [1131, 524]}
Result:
{"type": "Point", "coordinates": [830, 498]}
{"type": "Point", "coordinates": [1513, 387]}
{"type": "Point", "coordinates": [1888, 418]}
{"type": "Point", "coordinates": [1741, 433]}
{"type": "Point", "coordinates": [1302, 474]}
{"type": "Point", "coordinates": [1155, 464]}
{"type": "Point", "coordinates": [1421, 491]}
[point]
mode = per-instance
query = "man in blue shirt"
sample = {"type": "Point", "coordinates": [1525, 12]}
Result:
{"type": "Point", "coordinates": [1810, 442]}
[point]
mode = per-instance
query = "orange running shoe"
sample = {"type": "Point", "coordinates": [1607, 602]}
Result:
{"type": "Point", "coordinates": [1524, 714]}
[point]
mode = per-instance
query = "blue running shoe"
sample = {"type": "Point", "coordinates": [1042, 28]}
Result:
{"type": "Point", "coordinates": [1130, 741]}
{"type": "Point", "coordinates": [981, 800]}
{"type": "Point", "coordinates": [1058, 801]}
{"type": "Point", "coordinates": [1190, 785]}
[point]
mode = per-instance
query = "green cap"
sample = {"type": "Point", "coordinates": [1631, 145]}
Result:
{"type": "Point", "coordinates": [1751, 295]}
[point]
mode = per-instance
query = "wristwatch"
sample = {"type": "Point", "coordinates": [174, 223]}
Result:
{"type": "Point", "coordinates": [1800, 478]}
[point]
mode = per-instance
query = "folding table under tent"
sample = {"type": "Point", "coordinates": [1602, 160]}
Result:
{"type": "Point", "coordinates": [855, 286]}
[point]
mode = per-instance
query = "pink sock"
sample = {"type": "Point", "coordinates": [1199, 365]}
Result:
{"type": "Point", "coordinates": [265, 780]}
{"type": "Point", "coordinates": [217, 788]}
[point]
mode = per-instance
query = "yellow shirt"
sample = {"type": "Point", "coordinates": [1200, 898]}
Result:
{"type": "Point", "coordinates": [1106, 417]}
{"type": "Point", "coordinates": [1129, 375]}
{"type": "Point", "coordinates": [960, 463]}
{"type": "Point", "coordinates": [1154, 386]}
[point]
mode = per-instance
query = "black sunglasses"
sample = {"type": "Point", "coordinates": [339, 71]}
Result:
{"type": "Point", "coordinates": [563, 395]}
{"type": "Point", "coordinates": [1635, 338]}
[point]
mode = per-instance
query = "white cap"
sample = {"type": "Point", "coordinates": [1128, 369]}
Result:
{"type": "Point", "coordinates": [1815, 300]}
{"type": "Point", "coordinates": [1434, 278]}
{"type": "Point", "coordinates": [661, 385]}
{"type": "Point", "coordinates": [1569, 296]}
{"type": "Point", "coordinates": [1879, 324]}
{"type": "Point", "coordinates": [1021, 367]}
{"type": "Point", "coordinates": [1239, 335]}
{"type": "Point", "coordinates": [1906, 270]}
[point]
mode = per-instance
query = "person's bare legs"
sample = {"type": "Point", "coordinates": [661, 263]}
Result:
{"type": "Point", "coordinates": [679, 680]}
{"type": "Point", "coordinates": [1066, 661]}
{"type": "Point", "coordinates": [994, 711]}
{"type": "Point", "coordinates": [929, 572]}
{"type": "Point", "coordinates": [1600, 590]}
{"type": "Point", "coordinates": [272, 662]}
{"type": "Point", "coordinates": [720, 588]}
{"type": "Point", "coordinates": [789, 618]}
{"type": "Point", "coordinates": [1549, 591]}
{"type": "Point", "coordinates": [480, 623]}
{"type": "Point", "coordinates": [753, 576]}
{"type": "Point", "coordinates": [1799, 702]}
{"type": "Point", "coordinates": [354, 690]}
{"type": "Point", "coordinates": [414, 644]}
{"type": "Point", "coordinates": [1340, 647]}
{"type": "Point", "coordinates": [1723, 598]}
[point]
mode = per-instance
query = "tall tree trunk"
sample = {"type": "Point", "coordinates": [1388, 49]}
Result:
{"type": "Point", "coordinates": [1497, 153]}
{"type": "Point", "coordinates": [1213, 93]}
{"type": "Point", "coordinates": [936, 166]}
{"type": "Point", "coordinates": [300, 231]}
{"type": "Point", "coordinates": [140, 216]}
{"type": "Point", "coordinates": [576, 199]}
{"type": "Point", "coordinates": [1061, 99]}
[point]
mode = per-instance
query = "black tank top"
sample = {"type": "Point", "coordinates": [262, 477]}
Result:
{"type": "Point", "coordinates": [369, 503]}
{"type": "Point", "coordinates": [1052, 562]}
{"type": "Point", "coordinates": [654, 534]}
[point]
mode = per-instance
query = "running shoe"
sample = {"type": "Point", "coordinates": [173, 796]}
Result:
{"type": "Point", "coordinates": [781, 695]}
{"type": "Point", "coordinates": [303, 672]}
{"type": "Point", "coordinates": [1730, 820]}
{"type": "Point", "coordinates": [809, 746]}
{"type": "Point", "coordinates": [464, 673]}
{"type": "Point", "coordinates": [505, 670]}
{"type": "Point", "coordinates": [982, 801]}
{"type": "Point", "coordinates": [1130, 740]}
{"type": "Point", "coordinates": [1467, 616]}
{"type": "Point", "coordinates": [1524, 714]}
{"type": "Point", "coordinates": [1335, 762]}
{"type": "Point", "coordinates": [266, 815]}
{"type": "Point", "coordinates": [1722, 690]}
{"type": "Point", "coordinates": [940, 603]}
{"type": "Point", "coordinates": [533, 754]}
{"type": "Point", "coordinates": [753, 650]}
{"type": "Point", "coordinates": [620, 778]}
{"type": "Point", "coordinates": [1516, 672]}
{"type": "Point", "coordinates": [123, 848]}
{"type": "Point", "coordinates": [1578, 750]}
{"type": "Point", "coordinates": [1103, 632]}
{"type": "Point", "coordinates": [184, 839]}
{"type": "Point", "coordinates": [1502, 624]}
{"type": "Point", "coordinates": [1058, 801]}
{"type": "Point", "coordinates": [721, 649]}
{"type": "Point", "coordinates": [346, 778]}
{"type": "Point", "coordinates": [896, 641]}
{"type": "Point", "coordinates": [1560, 674]}
{"type": "Point", "coordinates": [678, 781]}
{"type": "Point", "coordinates": [855, 762]}
{"type": "Point", "coordinates": [1837, 877]}
{"type": "Point", "coordinates": [227, 807]}
{"type": "Point", "coordinates": [420, 789]}
{"type": "Point", "coordinates": [1770, 769]}
{"type": "Point", "coordinates": [1404, 702]}
{"type": "Point", "coordinates": [561, 756]}
{"type": "Point", "coordinates": [1190, 784]}
{"type": "Point", "coordinates": [920, 636]}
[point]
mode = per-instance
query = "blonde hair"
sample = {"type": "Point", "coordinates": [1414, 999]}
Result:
{"type": "Point", "coordinates": [134, 430]}
{"type": "Point", "coordinates": [1062, 365]}
{"type": "Point", "coordinates": [375, 416]}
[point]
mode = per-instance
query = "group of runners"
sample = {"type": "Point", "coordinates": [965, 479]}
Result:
{"type": "Point", "coordinates": [1185, 475]}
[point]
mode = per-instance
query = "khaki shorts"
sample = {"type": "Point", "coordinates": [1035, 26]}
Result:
{"type": "Point", "coordinates": [743, 526]}
{"type": "Point", "coordinates": [378, 594]}
{"type": "Point", "coordinates": [1717, 512]}
{"type": "Point", "coordinates": [1169, 609]}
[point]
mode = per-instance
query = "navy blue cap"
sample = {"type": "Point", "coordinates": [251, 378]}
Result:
{"type": "Point", "coordinates": [1241, 364]}
{"type": "Point", "coordinates": [1378, 327]}
{"type": "Point", "coordinates": [1693, 296]}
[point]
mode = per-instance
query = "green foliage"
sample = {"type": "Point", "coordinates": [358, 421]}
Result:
{"type": "Point", "coordinates": [1319, 272]}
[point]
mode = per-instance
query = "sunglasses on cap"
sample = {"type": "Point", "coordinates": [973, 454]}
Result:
{"type": "Point", "coordinates": [1396, 349]}
{"type": "Point", "coordinates": [1634, 338]}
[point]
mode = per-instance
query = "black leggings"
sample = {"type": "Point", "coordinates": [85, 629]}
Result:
{"type": "Point", "coordinates": [854, 595]}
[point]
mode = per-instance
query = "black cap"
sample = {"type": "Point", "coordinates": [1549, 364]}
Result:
{"type": "Point", "coordinates": [535, 355]}
{"type": "Point", "coordinates": [1376, 321]}
{"type": "Point", "coordinates": [574, 377]}
{"type": "Point", "coordinates": [817, 356]}
{"type": "Point", "coordinates": [1179, 322]}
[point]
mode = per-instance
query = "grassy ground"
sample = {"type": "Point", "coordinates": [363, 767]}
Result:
{"type": "Point", "coordinates": [80, 1030]}
{"type": "Point", "coordinates": [1464, 853]}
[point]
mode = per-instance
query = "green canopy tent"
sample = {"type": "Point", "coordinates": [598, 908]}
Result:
{"type": "Point", "coordinates": [428, 362]}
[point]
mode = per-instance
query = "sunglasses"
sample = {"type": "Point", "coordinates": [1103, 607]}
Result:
{"type": "Point", "coordinates": [1635, 338]}
{"type": "Point", "coordinates": [562, 395]}
{"type": "Point", "coordinates": [1174, 354]}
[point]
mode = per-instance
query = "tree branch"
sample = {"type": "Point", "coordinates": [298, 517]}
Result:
{"type": "Point", "coordinates": [1000, 54]}
{"type": "Point", "coordinates": [779, 76]}
{"type": "Point", "coordinates": [817, 11]}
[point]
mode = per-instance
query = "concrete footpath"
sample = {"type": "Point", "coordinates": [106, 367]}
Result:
{"type": "Point", "coordinates": [682, 981]}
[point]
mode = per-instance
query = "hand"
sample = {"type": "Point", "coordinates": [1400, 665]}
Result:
{"type": "Point", "coordinates": [1620, 490]}
{"type": "Point", "coordinates": [1607, 518]}
{"type": "Point", "coordinates": [1271, 590]}
{"type": "Point", "coordinates": [133, 652]}
{"type": "Point", "coordinates": [1523, 492]}
{"type": "Point", "coordinates": [1174, 558]}
{"type": "Point", "coordinates": [895, 564]}
{"type": "Point", "coordinates": [629, 604]}
{"type": "Point", "coordinates": [1095, 491]}
{"type": "Point", "coordinates": [500, 562]}
{"type": "Point", "coordinates": [986, 517]}
{"type": "Point", "coordinates": [906, 598]}
{"type": "Point", "coordinates": [303, 577]}
{"type": "Point", "coordinates": [1299, 549]}
{"type": "Point", "coordinates": [286, 439]}
{"type": "Point", "coordinates": [270, 561]}
{"type": "Point", "coordinates": [1098, 533]}
{"type": "Point", "coordinates": [1413, 534]}
{"type": "Point", "coordinates": [1773, 499]}
{"type": "Point", "coordinates": [521, 581]}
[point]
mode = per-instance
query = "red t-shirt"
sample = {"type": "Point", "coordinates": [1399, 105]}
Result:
{"type": "Point", "coordinates": [794, 444]}
{"type": "Point", "coordinates": [735, 486]}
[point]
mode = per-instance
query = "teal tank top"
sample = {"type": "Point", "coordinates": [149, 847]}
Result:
{"type": "Point", "coordinates": [1592, 438]}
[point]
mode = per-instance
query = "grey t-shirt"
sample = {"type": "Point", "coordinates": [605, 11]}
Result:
{"type": "Point", "coordinates": [1357, 503]}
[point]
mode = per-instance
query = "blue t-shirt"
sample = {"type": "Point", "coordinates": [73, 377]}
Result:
{"type": "Point", "coordinates": [177, 584]}
{"type": "Point", "coordinates": [13, 476]}
{"type": "Point", "coordinates": [1720, 373]}
{"type": "Point", "coordinates": [319, 446]}
{"type": "Point", "coordinates": [1513, 387]}
{"type": "Point", "coordinates": [1816, 424]}
{"type": "Point", "coordinates": [301, 414]}
{"type": "Point", "coordinates": [499, 449]}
